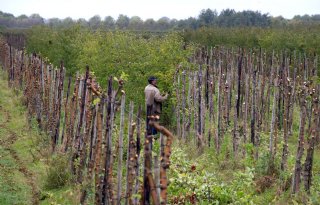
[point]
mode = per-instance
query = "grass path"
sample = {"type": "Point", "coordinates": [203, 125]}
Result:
{"type": "Point", "coordinates": [25, 157]}
{"type": "Point", "coordinates": [19, 168]}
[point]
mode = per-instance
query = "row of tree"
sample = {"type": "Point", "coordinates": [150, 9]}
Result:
{"type": "Point", "coordinates": [8, 20]}
{"type": "Point", "coordinates": [206, 18]}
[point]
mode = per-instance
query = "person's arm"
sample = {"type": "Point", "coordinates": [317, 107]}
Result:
{"type": "Point", "coordinates": [158, 97]}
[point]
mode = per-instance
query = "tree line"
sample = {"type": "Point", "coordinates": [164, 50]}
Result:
{"type": "Point", "coordinates": [206, 18]}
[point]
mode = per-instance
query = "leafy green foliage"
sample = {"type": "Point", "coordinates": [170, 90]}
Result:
{"type": "Point", "coordinates": [58, 174]}
{"type": "Point", "coordinates": [190, 182]}
{"type": "Point", "coordinates": [56, 45]}
{"type": "Point", "coordinates": [131, 56]}
{"type": "Point", "coordinates": [315, 191]}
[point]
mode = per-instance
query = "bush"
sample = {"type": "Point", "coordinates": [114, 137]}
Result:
{"type": "Point", "coordinates": [191, 183]}
{"type": "Point", "coordinates": [59, 173]}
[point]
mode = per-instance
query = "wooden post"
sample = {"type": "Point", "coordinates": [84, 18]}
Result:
{"type": "Point", "coordinates": [149, 187]}
{"type": "Point", "coordinates": [147, 159]}
{"type": "Point", "coordinates": [253, 107]}
{"type": "Point", "coordinates": [123, 101]}
{"type": "Point", "coordinates": [314, 134]}
{"type": "Point", "coordinates": [246, 102]}
{"type": "Point", "coordinates": [107, 183]}
{"type": "Point", "coordinates": [137, 185]}
{"type": "Point", "coordinates": [236, 137]}
{"type": "Point", "coordinates": [296, 179]}
{"type": "Point", "coordinates": [84, 146]}
{"type": "Point", "coordinates": [130, 157]}
{"type": "Point", "coordinates": [72, 118]}
{"type": "Point", "coordinates": [189, 120]}
{"type": "Point", "coordinates": [285, 150]}
{"type": "Point", "coordinates": [271, 77]}
{"type": "Point", "coordinates": [211, 109]}
{"type": "Point", "coordinates": [66, 112]}
{"type": "Point", "coordinates": [219, 127]}
{"type": "Point", "coordinates": [165, 161]}
{"type": "Point", "coordinates": [200, 125]}
{"type": "Point", "coordinates": [157, 175]}
{"type": "Point", "coordinates": [183, 131]}
{"type": "Point", "coordinates": [177, 81]}
{"type": "Point", "coordinates": [274, 114]}
{"type": "Point", "coordinates": [78, 137]}
{"type": "Point", "coordinates": [98, 153]}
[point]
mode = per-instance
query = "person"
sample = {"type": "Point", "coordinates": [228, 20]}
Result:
{"type": "Point", "coordinates": [153, 100]}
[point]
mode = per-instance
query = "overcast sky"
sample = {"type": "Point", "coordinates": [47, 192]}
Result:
{"type": "Point", "coordinates": [178, 9]}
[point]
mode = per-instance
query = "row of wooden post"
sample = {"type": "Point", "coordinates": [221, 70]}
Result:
{"type": "Point", "coordinates": [242, 93]}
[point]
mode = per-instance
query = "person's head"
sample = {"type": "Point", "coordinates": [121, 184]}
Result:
{"type": "Point", "coordinates": [152, 80]}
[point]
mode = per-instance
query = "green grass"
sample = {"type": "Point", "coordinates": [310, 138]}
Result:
{"type": "Point", "coordinates": [23, 146]}
{"type": "Point", "coordinates": [64, 196]}
{"type": "Point", "coordinates": [14, 187]}
{"type": "Point", "coordinates": [30, 147]}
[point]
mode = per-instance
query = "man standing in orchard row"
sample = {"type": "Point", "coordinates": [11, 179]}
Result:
{"type": "Point", "coordinates": [153, 101]}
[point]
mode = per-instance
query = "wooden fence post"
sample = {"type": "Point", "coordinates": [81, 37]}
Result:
{"type": "Point", "coordinates": [119, 177]}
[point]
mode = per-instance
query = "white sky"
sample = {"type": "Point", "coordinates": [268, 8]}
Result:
{"type": "Point", "coordinates": [178, 9]}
